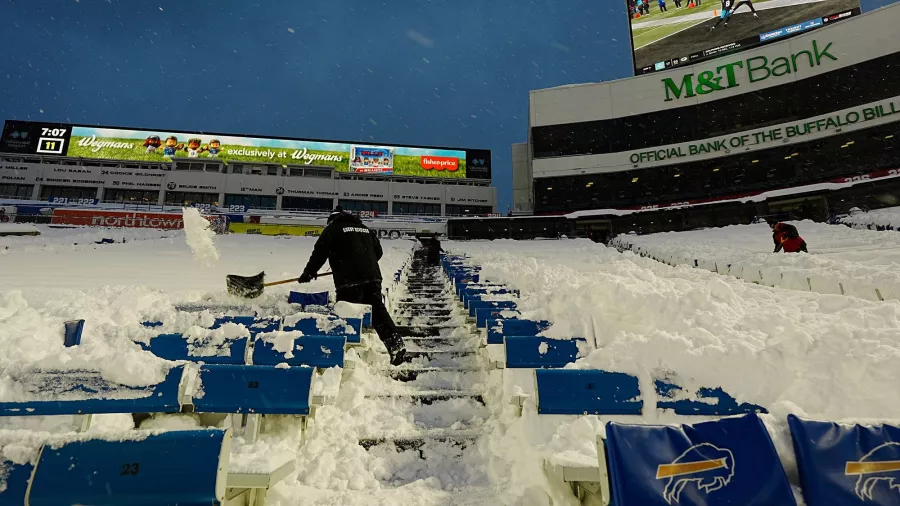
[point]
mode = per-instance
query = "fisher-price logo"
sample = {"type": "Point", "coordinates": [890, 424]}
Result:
{"type": "Point", "coordinates": [439, 163]}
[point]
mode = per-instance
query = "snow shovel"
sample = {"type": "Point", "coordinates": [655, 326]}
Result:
{"type": "Point", "coordinates": [253, 286]}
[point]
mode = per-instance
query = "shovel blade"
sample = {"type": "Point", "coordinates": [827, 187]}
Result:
{"type": "Point", "coordinates": [248, 287]}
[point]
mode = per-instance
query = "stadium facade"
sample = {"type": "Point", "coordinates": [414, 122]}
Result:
{"type": "Point", "coordinates": [109, 166]}
{"type": "Point", "coordinates": [808, 125]}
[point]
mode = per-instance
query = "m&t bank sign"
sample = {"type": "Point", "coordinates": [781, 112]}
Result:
{"type": "Point", "coordinates": [755, 69]}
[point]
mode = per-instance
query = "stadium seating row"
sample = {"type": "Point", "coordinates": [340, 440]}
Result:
{"type": "Point", "coordinates": [176, 467]}
{"type": "Point", "coordinates": [573, 391]}
{"type": "Point", "coordinates": [734, 461]}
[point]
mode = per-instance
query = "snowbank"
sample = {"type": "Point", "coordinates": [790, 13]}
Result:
{"type": "Point", "coordinates": [887, 218]}
{"type": "Point", "coordinates": [860, 263]}
{"type": "Point", "coordinates": [816, 355]}
{"type": "Point", "coordinates": [66, 239]}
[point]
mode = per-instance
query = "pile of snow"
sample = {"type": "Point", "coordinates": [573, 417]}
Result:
{"type": "Point", "coordinates": [860, 263]}
{"type": "Point", "coordinates": [18, 229]}
{"type": "Point", "coordinates": [79, 238]}
{"type": "Point", "coordinates": [815, 355]}
{"type": "Point", "coordinates": [883, 219]}
{"type": "Point", "coordinates": [199, 236]}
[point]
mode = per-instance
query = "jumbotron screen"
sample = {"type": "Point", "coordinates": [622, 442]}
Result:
{"type": "Point", "coordinates": [666, 34]}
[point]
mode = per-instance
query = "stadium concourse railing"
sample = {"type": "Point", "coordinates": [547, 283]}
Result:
{"type": "Point", "coordinates": [638, 464]}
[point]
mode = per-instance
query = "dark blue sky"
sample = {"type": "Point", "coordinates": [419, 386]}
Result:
{"type": "Point", "coordinates": [452, 73]}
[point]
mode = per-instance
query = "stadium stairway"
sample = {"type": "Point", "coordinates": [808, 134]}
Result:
{"type": "Point", "coordinates": [440, 388]}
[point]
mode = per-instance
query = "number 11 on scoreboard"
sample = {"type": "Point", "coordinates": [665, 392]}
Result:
{"type": "Point", "coordinates": [51, 145]}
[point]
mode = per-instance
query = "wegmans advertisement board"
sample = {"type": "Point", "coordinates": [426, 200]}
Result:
{"type": "Point", "coordinates": [166, 145]}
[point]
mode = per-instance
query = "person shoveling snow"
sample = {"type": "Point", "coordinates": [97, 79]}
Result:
{"type": "Point", "coordinates": [199, 235]}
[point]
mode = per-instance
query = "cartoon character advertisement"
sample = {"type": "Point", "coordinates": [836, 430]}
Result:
{"type": "Point", "coordinates": [111, 143]}
{"type": "Point", "coordinates": [371, 160]}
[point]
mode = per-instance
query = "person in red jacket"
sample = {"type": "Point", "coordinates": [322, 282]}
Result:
{"type": "Point", "coordinates": [787, 238]}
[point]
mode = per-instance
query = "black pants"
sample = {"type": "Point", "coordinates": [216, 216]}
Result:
{"type": "Point", "coordinates": [662, 8]}
{"type": "Point", "coordinates": [370, 293]}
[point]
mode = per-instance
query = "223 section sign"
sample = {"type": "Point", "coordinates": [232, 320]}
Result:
{"type": "Point", "coordinates": [93, 142]}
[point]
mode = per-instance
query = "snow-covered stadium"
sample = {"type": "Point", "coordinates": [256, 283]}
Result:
{"type": "Point", "coordinates": [672, 360]}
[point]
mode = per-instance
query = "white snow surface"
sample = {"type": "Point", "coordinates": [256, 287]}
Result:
{"type": "Point", "coordinates": [816, 355]}
{"type": "Point", "coordinates": [199, 236]}
{"type": "Point", "coordinates": [887, 217]}
{"type": "Point", "coordinates": [841, 260]}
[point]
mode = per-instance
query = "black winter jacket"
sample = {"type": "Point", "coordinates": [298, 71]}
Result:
{"type": "Point", "coordinates": [352, 250]}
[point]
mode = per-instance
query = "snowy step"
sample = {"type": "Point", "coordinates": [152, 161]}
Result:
{"type": "Point", "coordinates": [451, 375]}
{"type": "Point", "coordinates": [455, 413]}
{"type": "Point", "coordinates": [430, 397]}
{"type": "Point", "coordinates": [424, 304]}
{"type": "Point", "coordinates": [439, 354]}
{"type": "Point", "coordinates": [430, 343]}
{"type": "Point", "coordinates": [424, 312]}
{"type": "Point", "coordinates": [442, 300]}
{"type": "Point", "coordinates": [421, 441]}
{"type": "Point", "coordinates": [420, 331]}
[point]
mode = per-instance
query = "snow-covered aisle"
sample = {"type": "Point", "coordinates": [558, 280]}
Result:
{"type": "Point", "coordinates": [862, 263]}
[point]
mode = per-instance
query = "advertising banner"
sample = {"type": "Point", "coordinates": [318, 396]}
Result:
{"type": "Point", "coordinates": [117, 219]}
{"type": "Point", "coordinates": [166, 145]}
{"type": "Point", "coordinates": [267, 229]}
{"type": "Point", "coordinates": [667, 34]}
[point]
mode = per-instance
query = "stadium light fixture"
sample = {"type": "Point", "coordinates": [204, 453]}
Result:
{"type": "Point", "coordinates": [787, 158]}
{"type": "Point", "coordinates": [677, 175]}
{"type": "Point", "coordinates": [890, 136]}
{"type": "Point", "coordinates": [795, 154]}
{"type": "Point", "coordinates": [850, 143]}
{"type": "Point", "coordinates": [844, 146]}
{"type": "Point", "coordinates": [755, 161]}
{"type": "Point", "coordinates": [549, 187]}
{"type": "Point", "coordinates": [716, 169]}
{"type": "Point", "coordinates": [635, 180]}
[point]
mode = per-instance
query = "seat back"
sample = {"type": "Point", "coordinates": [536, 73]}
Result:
{"type": "Point", "coordinates": [87, 392]}
{"type": "Point", "coordinates": [254, 324]}
{"type": "Point", "coordinates": [177, 347]}
{"type": "Point", "coordinates": [314, 351]}
{"type": "Point", "coordinates": [536, 352]}
{"type": "Point", "coordinates": [73, 333]}
{"type": "Point", "coordinates": [177, 467]}
{"type": "Point", "coordinates": [308, 299]}
{"type": "Point", "coordinates": [723, 462]}
{"type": "Point", "coordinates": [847, 464]}
{"type": "Point", "coordinates": [499, 327]}
{"type": "Point", "coordinates": [586, 392]}
{"type": "Point", "coordinates": [703, 401]}
{"type": "Point", "coordinates": [16, 478]}
{"type": "Point", "coordinates": [483, 314]}
{"type": "Point", "coordinates": [254, 389]}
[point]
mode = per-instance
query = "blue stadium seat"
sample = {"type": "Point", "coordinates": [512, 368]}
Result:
{"type": "Point", "coordinates": [586, 392]}
{"type": "Point", "coordinates": [483, 314]}
{"type": "Point", "coordinates": [524, 352]}
{"type": "Point", "coordinates": [314, 351]}
{"type": "Point", "coordinates": [321, 325]}
{"type": "Point", "coordinates": [704, 401]}
{"type": "Point", "coordinates": [177, 347]}
{"type": "Point", "coordinates": [308, 299]}
{"type": "Point", "coordinates": [177, 467]}
{"type": "Point", "coordinates": [254, 389]}
{"type": "Point", "coordinates": [74, 329]}
{"type": "Point", "coordinates": [477, 303]}
{"type": "Point", "coordinates": [63, 392]}
{"type": "Point", "coordinates": [724, 462]}
{"type": "Point", "coordinates": [498, 327]}
{"type": "Point", "coordinates": [16, 477]}
{"type": "Point", "coordinates": [254, 324]}
{"type": "Point", "coordinates": [843, 464]}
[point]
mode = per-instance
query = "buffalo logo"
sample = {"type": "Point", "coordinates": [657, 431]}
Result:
{"type": "Point", "coordinates": [880, 464]}
{"type": "Point", "coordinates": [171, 185]}
{"type": "Point", "coordinates": [19, 135]}
{"type": "Point", "coordinates": [711, 468]}
{"type": "Point", "coordinates": [279, 191]}
{"type": "Point", "coordinates": [478, 161]}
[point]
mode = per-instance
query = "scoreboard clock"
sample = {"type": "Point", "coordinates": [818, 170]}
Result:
{"type": "Point", "coordinates": [35, 138]}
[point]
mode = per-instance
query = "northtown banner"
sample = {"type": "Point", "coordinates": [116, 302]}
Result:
{"type": "Point", "coordinates": [165, 146]}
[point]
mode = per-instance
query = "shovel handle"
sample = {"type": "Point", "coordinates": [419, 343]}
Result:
{"type": "Point", "coordinates": [294, 280]}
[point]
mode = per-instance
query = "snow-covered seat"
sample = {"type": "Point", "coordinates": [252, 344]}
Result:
{"type": "Point", "coordinates": [537, 352]}
{"type": "Point", "coordinates": [499, 327]}
{"type": "Point", "coordinates": [248, 392]}
{"type": "Point", "coordinates": [586, 391]}
{"type": "Point", "coordinates": [177, 347]}
{"type": "Point", "coordinates": [175, 467]}
{"type": "Point", "coordinates": [847, 464]}
{"type": "Point", "coordinates": [86, 393]}
{"type": "Point", "coordinates": [703, 401]}
{"type": "Point", "coordinates": [312, 324]}
{"type": "Point", "coordinates": [311, 350]}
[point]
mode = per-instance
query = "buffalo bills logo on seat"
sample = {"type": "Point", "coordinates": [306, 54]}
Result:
{"type": "Point", "coordinates": [880, 464]}
{"type": "Point", "coordinates": [710, 467]}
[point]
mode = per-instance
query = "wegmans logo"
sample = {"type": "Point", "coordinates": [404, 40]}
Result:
{"type": "Point", "coordinates": [757, 68]}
